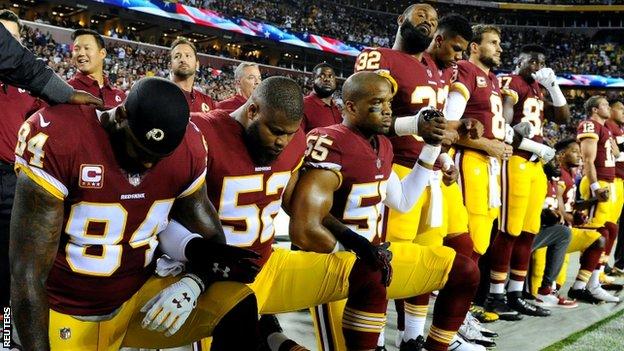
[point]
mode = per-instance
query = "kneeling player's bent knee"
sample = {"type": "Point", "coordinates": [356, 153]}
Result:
{"type": "Point", "coordinates": [240, 320]}
{"type": "Point", "coordinates": [464, 273]}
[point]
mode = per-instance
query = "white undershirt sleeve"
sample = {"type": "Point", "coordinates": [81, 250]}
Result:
{"type": "Point", "coordinates": [455, 106]}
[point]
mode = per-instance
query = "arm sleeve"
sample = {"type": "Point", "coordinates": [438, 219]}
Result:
{"type": "Point", "coordinates": [401, 195]}
{"type": "Point", "coordinates": [173, 240]}
{"type": "Point", "coordinates": [21, 68]}
{"type": "Point", "coordinates": [455, 106]}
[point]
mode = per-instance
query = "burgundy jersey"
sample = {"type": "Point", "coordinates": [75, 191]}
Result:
{"type": "Point", "coordinates": [316, 113]}
{"type": "Point", "coordinates": [528, 106]}
{"type": "Point", "coordinates": [111, 217]}
{"type": "Point", "coordinates": [17, 104]}
{"type": "Point", "coordinates": [618, 134]}
{"type": "Point", "coordinates": [569, 192]}
{"type": "Point", "coordinates": [363, 173]}
{"type": "Point", "coordinates": [112, 96]}
{"type": "Point", "coordinates": [231, 104]}
{"type": "Point", "coordinates": [604, 162]}
{"type": "Point", "coordinates": [483, 94]}
{"type": "Point", "coordinates": [247, 196]}
{"type": "Point", "coordinates": [420, 84]}
{"type": "Point", "coordinates": [198, 101]}
{"type": "Point", "coordinates": [551, 194]}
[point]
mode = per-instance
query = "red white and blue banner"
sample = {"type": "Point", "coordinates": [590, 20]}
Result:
{"type": "Point", "coordinates": [210, 18]}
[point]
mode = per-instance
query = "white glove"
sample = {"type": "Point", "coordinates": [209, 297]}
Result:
{"type": "Point", "coordinates": [525, 129]}
{"type": "Point", "coordinates": [168, 310]}
{"type": "Point", "coordinates": [546, 77]}
{"type": "Point", "coordinates": [509, 134]}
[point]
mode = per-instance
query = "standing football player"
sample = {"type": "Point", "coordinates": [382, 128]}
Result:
{"type": "Point", "coordinates": [319, 107]}
{"type": "Point", "coordinates": [519, 220]}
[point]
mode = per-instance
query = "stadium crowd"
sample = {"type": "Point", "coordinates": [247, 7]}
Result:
{"type": "Point", "coordinates": [118, 184]}
{"type": "Point", "coordinates": [568, 52]}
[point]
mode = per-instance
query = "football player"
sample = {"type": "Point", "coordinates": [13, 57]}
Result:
{"type": "Point", "coordinates": [422, 83]}
{"type": "Point", "coordinates": [184, 65]}
{"type": "Point", "coordinates": [587, 241]}
{"type": "Point", "coordinates": [599, 151]}
{"type": "Point", "coordinates": [476, 94]}
{"type": "Point", "coordinates": [88, 54]}
{"type": "Point", "coordinates": [319, 107]}
{"type": "Point", "coordinates": [248, 192]}
{"type": "Point", "coordinates": [617, 116]}
{"type": "Point", "coordinates": [93, 189]}
{"type": "Point", "coordinates": [519, 219]}
{"type": "Point", "coordinates": [614, 123]}
{"type": "Point", "coordinates": [17, 105]}
{"type": "Point", "coordinates": [348, 174]}
{"type": "Point", "coordinates": [246, 79]}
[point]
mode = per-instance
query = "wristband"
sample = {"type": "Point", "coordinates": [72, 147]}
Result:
{"type": "Point", "coordinates": [406, 125]}
{"type": "Point", "coordinates": [429, 154]}
{"type": "Point", "coordinates": [447, 161]}
{"type": "Point", "coordinates": [595, 186]}
{"type": "Point", "coordinates": [197, 280]}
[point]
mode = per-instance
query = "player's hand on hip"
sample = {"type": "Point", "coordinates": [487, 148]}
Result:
{"type": "Point", "coordinates": [431, 125]}
{"type": "Point", "coordinates": [80, 97]}
{"type": "Point", "coordinates": [498, 149]}
{"type": "Point", "coordinates": [167, 311]}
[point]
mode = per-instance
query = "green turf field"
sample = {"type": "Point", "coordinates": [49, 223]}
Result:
{"type": "Point", "coordinates": [606, 335]}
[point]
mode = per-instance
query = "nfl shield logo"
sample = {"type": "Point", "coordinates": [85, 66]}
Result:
{"type": "Point", "coordinates": [65, 333]}
{"type": "Point", "coordinates": [134, 179]}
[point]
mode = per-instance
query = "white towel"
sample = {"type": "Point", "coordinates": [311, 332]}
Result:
{"type": "Point", "coordinates": [165, 266]}
{"type": "Point", "coordinates": [494, 188]}
{"type": "Point", "coordinates": [435, 206]}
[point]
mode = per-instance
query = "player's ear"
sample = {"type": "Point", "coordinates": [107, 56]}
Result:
{"type": "Point", "coordinates": [438, 40]}
{"type": "Point", "coordinates": [350, 107]}
{"type": "Point", "coordinates": [252, 111]}
{"type": "Point", "coordinates": [400, 20]}
{"type": "Point", "coordinates": [474, 47]}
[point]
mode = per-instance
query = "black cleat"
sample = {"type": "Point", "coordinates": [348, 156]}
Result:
{"type": "Point", "coordinates": [515, 301]}
{"type": "Point", "coordinates": [583, 295]}
{"type": "Point", "coordinates": [497, 303]}
{"type": "Point", "coordinates": [613, 287]}
{"type": "Point", "coordinates": [417, 344]}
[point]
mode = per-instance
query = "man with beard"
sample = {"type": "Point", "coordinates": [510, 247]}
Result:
{"type": "Point", "coordinates": [598, 150]}
{"type": "Point", "coordinates": [520, 214]}
{"type": "Point", "coordinates": [421, 85]}
{"type": "Point", "coordinates": [248, 190]}
{"type": "Point", "coordinates": [88, 54]}
{"type": "Point", "coordinates": [319, 108]}
{"type": "Point", "coordinates": [348, 174]}
{"type": "Point", "coordinates": [246, 79]}
{"type": "Point", "coordinates": [476, 94]}
{"type": "Point", "coordinates": [617, 116]}
{"type": "Point", "coordinates": [184, 65]}
{"type": "Point", "coordinates": [93, 189]}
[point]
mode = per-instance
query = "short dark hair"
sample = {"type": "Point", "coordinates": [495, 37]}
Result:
{"type": "Point", "coordinates": [479, 29]}
{"type": "Point", "coordinates": [529, 48]}
{"type": "Point", "coordinates": [454, 25]}
{"type": "Point", "coordinates": [182, 40]}
{"type": "Point", "coordinates": [562, 145]}
{"type": "Point", "coordinates": [83, 31]}
{"type": "Point", "coordinates": [322, 65]}
{"type": "Point", "coordinates": [8, 15]}
{"type": "Point", "coordinates": [282, 94]}
{"type": "Point", "coordinates": [592, 102]}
